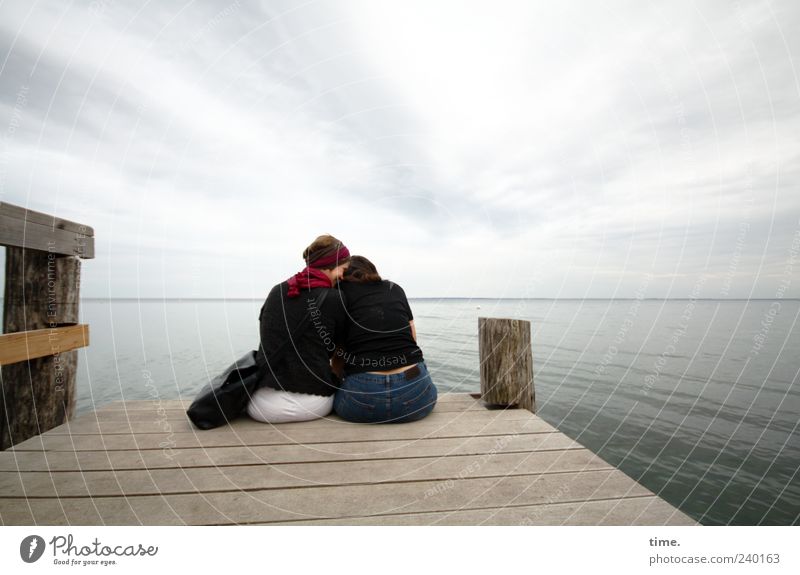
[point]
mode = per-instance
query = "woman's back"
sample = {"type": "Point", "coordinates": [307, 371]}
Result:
{"type": "Point", "coordinates": [386, 379]}
{"type": "Point", "coordinates": [378, 336]}
{"type": "Point", "coordinates": [304, 367]}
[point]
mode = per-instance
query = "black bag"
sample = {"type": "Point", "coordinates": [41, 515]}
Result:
{"type": "Point", "coordinates": [228, 394]}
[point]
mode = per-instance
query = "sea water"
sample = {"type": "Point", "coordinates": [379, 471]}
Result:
{"type": "Point", "coordinates": [697, 400]}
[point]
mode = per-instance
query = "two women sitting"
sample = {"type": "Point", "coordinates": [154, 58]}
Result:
{"type": "Point", "coordinates": [352, 345]}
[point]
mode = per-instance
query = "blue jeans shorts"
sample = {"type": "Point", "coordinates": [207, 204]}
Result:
{"type": "Point", "coordinates": [376, 398]}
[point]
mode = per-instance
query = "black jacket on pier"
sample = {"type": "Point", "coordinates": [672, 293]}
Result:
{"type": "Point", "coordinates": [304, 366]}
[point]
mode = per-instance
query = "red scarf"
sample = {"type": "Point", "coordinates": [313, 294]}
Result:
{"type": "Point", "coordinates": [307, 279]}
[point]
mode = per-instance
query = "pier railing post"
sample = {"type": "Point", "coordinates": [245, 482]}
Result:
{"type": "Point", "coordinates": [506, 362]}
{"type": "Point", "coordinates": [41, 332]}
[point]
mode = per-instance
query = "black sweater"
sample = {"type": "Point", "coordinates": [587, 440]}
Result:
{"type": "Point", "coordinates": [304, 366]}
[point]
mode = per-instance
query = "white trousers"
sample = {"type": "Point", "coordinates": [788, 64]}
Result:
{"type": "Point", "coordinates": [276, 406]}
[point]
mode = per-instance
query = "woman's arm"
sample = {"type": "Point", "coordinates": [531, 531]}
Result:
{"type": "Point", "coordinates": [410, 315]}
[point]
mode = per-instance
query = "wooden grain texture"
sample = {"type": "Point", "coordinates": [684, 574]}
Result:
{"type": "Point", "coordinates": [41, 292]}
{"type": "Point", "coordinates": [176, 409]}
{"type": "Point", "coordinates": [32, 216]}
{"type": "Point", "coordinates": [274, 476]}
{"type": "Point", "coordinates": [644, 510]}
{"type": "Point", "coordinates": [324, 502]}
{"type": "Point", "coordinates": [35, 231]}
{"type": "Point", "coordinates": [92, 425]}
{"type": "Point", "coordinates": [25, 345]}
{"type": "Point", "coordinates": [463, 400]}
{"type": "Point", "coordinates": [55, 461]}
{"type": "Point", "coordinates": [172, 415]}
{"type": "Point", "coordinates": [290, 433]}
{"type": "Point", "coordinates": [506, 362]}
{"type": "Point", "coordinates": [455, 467]}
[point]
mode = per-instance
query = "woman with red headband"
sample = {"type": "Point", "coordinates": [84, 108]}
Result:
{"type": "Point", "coordinates": [300, 328]}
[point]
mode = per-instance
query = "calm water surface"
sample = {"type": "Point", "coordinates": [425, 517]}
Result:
{"type": "Point", "coordinates": [696, 400]}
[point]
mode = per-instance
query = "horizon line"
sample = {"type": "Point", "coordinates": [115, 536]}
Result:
{"type": "Point", "coordinates": [452, 298]}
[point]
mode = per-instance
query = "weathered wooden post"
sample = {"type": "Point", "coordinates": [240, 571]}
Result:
{"type": "Point", "coordinates": [41, 334]}
{"type": "Point", "coordinates": [506, 362]}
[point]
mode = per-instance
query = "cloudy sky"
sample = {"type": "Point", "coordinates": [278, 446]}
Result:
{"type": "Point", "coordinates": [473, 149]}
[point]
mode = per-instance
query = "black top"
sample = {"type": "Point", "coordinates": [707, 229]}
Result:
{"type": "Point", "coordinates": [378, 336]}
{"type": "Point", "coordinates": [304, 366]}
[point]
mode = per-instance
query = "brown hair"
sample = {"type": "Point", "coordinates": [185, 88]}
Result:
{"type": "Point", "coordinates": [321, 247]}
{"type": "Point", "coordinates": [361, 270]}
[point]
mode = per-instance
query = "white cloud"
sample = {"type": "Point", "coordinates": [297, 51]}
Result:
{"type": "Point", "coordinates": [469, 148]}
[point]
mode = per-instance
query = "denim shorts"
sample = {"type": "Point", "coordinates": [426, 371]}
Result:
{"type": "Point", "coordinates": [376, 398]}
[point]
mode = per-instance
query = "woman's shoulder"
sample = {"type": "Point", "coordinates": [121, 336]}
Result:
{"type": "Point", "coordinates": [272, 304]}
{"type": "Point", "coordinates": [330, 300]}
{"type": "Point", "coordinates": [393, 287]}
{"type": "Point", "coordinates": [380, 286]}
{"type": "Point", "coordinates": [361, 287]}
{"type": "Point", "coordinates": [273, 296]}
{"type": "Point", "coordinates": [278, 289]}
{"type": "Point", "coordinates": [278, 297]}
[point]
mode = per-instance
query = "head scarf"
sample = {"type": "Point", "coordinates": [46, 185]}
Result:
{"type": "Point", "coordinates": [312, 275]}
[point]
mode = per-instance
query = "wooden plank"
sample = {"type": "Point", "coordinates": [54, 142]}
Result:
{"type": "Point", "coordinates": [463, 400]}
{"type": "Point", "coordinates": [56, 461]}
{"type": "Point", "coordinates": [647, 510]}
{"type": "Point", "coordinates": [86, 425]}
{"type": "Point", "coordinates": [29, 235]}
{"type": "Point", "coordinates": [289, 433]}
{"type": "Point", "coordinates": [322, 502]}
{"type": "Point", "coordinates": [20, 213]}
{"type": "Point", "coordinates": [298, 475]}
{"type": "Point", "coordinates": [89, 425]}
{"type": "Point", "coordinates": [640, 510]}
{"type": "Point", "coordinates": [25, 345]}
{"type": "Point", "coordinates": [465, 466]}
{"type": "Point", "coordinates": [172, 413]}
{"type": "Point", "coordinates": [161, 414]}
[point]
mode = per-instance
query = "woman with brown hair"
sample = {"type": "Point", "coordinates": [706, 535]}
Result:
{"type": "Point", "coordinates": [385, 377]}
{"type": "Point", "coordinates": [301, 321]}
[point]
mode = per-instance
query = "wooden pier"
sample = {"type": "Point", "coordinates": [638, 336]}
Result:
{"type": "Point", "coordinates": [143, 463]}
